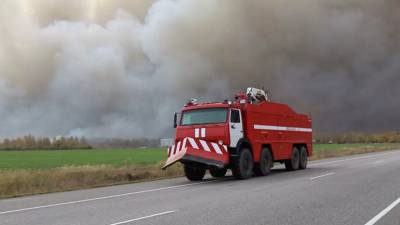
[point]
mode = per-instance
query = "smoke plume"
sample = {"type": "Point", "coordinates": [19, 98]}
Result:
{"type": "Point", "coordinates": [103, 68]}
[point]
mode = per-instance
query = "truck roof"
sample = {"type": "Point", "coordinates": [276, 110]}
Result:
{"type": "Point", "coordinates": [205, 105]}
{"type": "Point", "coordinates": [273, 107]}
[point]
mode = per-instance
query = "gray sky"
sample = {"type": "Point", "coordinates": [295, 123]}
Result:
{"type": "Point", "coordinates": [105, 68]}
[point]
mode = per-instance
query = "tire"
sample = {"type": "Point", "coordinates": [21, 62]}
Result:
{"type": "Point", "coordinates": [194, 173]}
{"type": "Point", "coordinates": [242, 167]}
{"type": "Point", "coordinates": [303, 158]}
{"type": "Point", "coordinates": [217, 173]}
{"type": "Point", "coordinates": [294, 162]}
{"type": "Point", "coordinates": [263, 168]}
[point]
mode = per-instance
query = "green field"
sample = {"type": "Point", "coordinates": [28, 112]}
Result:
{"type": "Point", "coordinates": [11, 160]}
{"type": "Point", "coordinates": [52, 159]}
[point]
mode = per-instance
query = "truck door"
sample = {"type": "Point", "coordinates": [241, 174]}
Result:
{"type": "Point", "coordinates": [235, 127]}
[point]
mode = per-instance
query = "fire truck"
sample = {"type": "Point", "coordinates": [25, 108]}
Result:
{"type": "Point", "coordinates": [246, 135]}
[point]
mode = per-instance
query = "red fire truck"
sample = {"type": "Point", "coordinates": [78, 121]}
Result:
{"type": "Point", "coordinates": [246, 135]}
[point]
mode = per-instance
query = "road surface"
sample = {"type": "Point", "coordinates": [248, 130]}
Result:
{"type": "Point", "coordinates": [361, 189]}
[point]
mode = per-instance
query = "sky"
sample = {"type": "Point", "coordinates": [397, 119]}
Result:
{"type": "Point", "coordinates": [103, 68]}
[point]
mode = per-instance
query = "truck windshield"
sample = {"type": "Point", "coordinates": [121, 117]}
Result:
{"type": "Point", "coordinates": [204, 116]}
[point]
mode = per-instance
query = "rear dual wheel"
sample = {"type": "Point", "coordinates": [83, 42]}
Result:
{"type": "Point", "coordinates": [298, 160]}
{"type": "Point", "coordinates": [294, 162]}
{"type": "Point", "coordinates": [303, 158]}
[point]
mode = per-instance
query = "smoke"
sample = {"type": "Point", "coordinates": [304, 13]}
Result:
{"type": "Point", "coordinates": [104, 68]}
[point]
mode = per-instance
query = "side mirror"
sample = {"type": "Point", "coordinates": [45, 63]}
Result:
{"type": "Point", "coordinates": [175, 120]}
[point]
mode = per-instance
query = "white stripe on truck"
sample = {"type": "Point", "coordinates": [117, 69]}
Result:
{"type": "Point", "coordinates": [279, 128]}
{"type": "Point", "coordinates": [216, 148]}
{"type": "Point", "coordinates": [203, 132]}
{"type": "Point", "coordinates": [193, 143]}
{"type": "Point", "coordinates": [205, 146]}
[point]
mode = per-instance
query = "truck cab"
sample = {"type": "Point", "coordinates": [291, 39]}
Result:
{"type": "Point", "coordinates": [213, 122]}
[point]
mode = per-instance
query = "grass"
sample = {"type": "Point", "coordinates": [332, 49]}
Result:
{"type": "Point", "coordinates": [12, 160]}
{"type": "Point", "coordinates": [322, 151]}
{"type": "Point", "coordinates": [33, 172]}
{"type": "Point", "coordinates": [15, 183]}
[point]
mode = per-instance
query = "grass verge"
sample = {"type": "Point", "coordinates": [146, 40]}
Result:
{"type": "Point", "coordinates": [22, 182]}
{"type": "Point", "coordinates": [322, 151]}
{"type": "Point", "coordinates": [28, 179]}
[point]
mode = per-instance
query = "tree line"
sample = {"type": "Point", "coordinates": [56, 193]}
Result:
{"type": "Point", "coordinates": [30, 142]}
{"type": "Point", "coordinates": [357, 137]}
{"type": "Point", "coordinates": [124, 143]}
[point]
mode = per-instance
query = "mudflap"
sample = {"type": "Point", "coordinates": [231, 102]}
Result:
{"type": "Point", "coordinates": [193, 150]}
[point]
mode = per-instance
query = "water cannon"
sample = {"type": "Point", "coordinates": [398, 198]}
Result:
{"type": "Point", "coordinates": [256, 95]}
{"type": "Point", "coordinates": [192, 101]}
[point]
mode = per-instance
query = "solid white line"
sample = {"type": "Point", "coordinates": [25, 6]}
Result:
{"type": "Point", "coordinates": [328, 174]}
{"type": "Point", "coordinates": [105, 197]}
{"type": "Point", "coordinates": [354, 158]}
{"type": "Point", "coordinates": [383, 213]}
{"type": "Point", "coordinates": [144, 217]}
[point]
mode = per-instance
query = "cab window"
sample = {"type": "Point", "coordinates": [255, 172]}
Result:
{"type": "Point", "coordinates": [235, 116]}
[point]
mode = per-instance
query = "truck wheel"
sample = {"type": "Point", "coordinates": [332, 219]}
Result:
{"type": "Point", "coordinates": [215, 172]}
{"type": "Point", "coordinates": [242, 167]}
{"type": "Point", "coordinates": [263, 168]}
{"type": "Point", "coordinates": [194, 173]}
{"type": "Point", "coordinates": [303, 158]}
{"type": "Point", "coordinates": [293, 163]}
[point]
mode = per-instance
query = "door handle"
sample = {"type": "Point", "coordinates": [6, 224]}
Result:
{"type": "Point", "coordinates": [233, 126]}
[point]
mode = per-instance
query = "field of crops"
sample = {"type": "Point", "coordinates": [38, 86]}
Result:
{"type": "Point", "coordinates": [12, 160]}
{"type": "Point", "coordinates": [52, 159]}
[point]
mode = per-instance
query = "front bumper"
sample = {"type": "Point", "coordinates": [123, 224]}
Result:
{"type": "Point", "coordinates": [199, 151]}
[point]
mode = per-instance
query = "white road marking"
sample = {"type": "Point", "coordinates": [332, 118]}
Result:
{"type": "Point", "coordinates": [383, 213]}
{"type": "Point", "coordinates": [378, 162]}
{"type": "Point", "coordinates": [144, 217]}
{"type": "Point", "coordinates": [105, 197]}
{"type": "Point", "coordinates": [324, 175]}
{"type": "Point", "coordinates": [354, 158]}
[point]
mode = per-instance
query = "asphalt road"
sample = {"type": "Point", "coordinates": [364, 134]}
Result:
{"type": "Point", "coordinates": [362, 189]}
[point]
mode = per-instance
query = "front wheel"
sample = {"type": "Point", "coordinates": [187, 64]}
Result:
{"type": "Point", "coordinates": [217, 173]}
{"type": "Point", "coordinates": [242, 167]}
{"type": "Point", "coordinates": [294, 162]}
{"type": "Point", "coordinates": [194, 173]}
